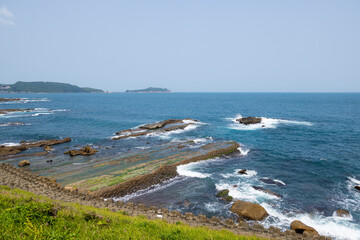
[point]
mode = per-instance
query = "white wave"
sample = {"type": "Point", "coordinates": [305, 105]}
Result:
{"type": "Point", "coordinates": [151, 189]}
{"type": "Point", "coordinates": [265, 123]}
{"type": "Point", "coordinates": [202, 140]}
{"type": "Point", "coordinates": [213, 206]}
{"type": "Point", "coordinates": [279, 181]}
{"type": "Point", "coordinates": [142, 147]}
{"type": "Point", "coordinates": [339, 228]}
{"type": "Point", "coordinates": [244, 191]}
{"type": "Point", "coordinates": [244, 151]}
{"type": "Point", "coordinates": [10, 144]}
{"type": "Point", "coordinates": [354, 180]}
{"type": "Point", "coordinates": [249, 173]}
{"type": "Point", "coordinates": [166, 135]}
{"type": "Point", "coordinates": [186, 170]}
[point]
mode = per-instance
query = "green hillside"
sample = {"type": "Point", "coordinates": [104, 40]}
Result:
{"type": "Point", "coordinates": [48, 87]}
{"type": "Point", "coordinates": [24, 215]}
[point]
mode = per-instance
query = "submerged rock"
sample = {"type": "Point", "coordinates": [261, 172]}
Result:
{"type": "Point", "coordinates": [342, 213]}
{"type": "Point", "coordinates": [24, 163]}
{"type": "Point", "coordinates": [12, 124]}
{"type": "Point", "coordinates": [48, 148]}
{"type": "Point", "coordinates": [267, 191]}
{"type": "Point", "coordinates": [249, 211]}
{"type": "Point", "coordinates": [272, 182]}
{"type": "Point", "coordinates": [242, 171]}
{"type": "Point", "coordinates": [6, 111]}
{"type": "Point", "coordinates": [82, 151]}
{"type": "Point", "coordinates": [302, 228]}
{"type": "Point", "coordinates": [249, 120]}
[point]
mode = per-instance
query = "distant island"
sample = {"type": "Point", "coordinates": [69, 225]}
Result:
{"type": "Point", "coordinates": [45, 87]}
{"type": "Point", "coordinates": [150, 90]}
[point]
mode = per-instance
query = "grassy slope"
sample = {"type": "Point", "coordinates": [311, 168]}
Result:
{"type": "Point", "coordinates": [24, 215]}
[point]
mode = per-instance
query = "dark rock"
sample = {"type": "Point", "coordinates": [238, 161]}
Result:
{"type": "Point", "coordinates": [357, 188]}
{"type": "Point", "coordinates": [301, 228]}
{"type": "Point", "coordinates": [342, 213]}
{"type": "Point", "coordinates": [24, 163]}
{"type": "Point", "coordinates": [249, 120]}
{"type": "Point", "coordinates": [242, 171]}
{"type": "Point", "coordinates": [249, 211]}
{"type": "Point", "coordinates": [271, 182]}
{"type": "Point", "coordinates": [267, 191]}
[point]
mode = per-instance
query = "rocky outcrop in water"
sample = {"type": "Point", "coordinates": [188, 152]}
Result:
{"type": "Point", "coordinates": [12, 124]}
{"type": "Point", "coordinates": [249, 120]}
{"type": "Point", "coordinates": [24, 163]}
{"type": "Point", "coordinates": [342, 213]}
{"type": "Point", "coordinates": [249, 211]}
{"type": "Point", "coordinates": [82, 151]}
{"type": "Point", "coordinates": [242, 171]}
{"type": "Point", "coordinates": [224, 195]}
{"type": "Point", "coordinates": [272, 182]}
{"type": "Point", "coordinates": [9, 151]}
{"type": "Point", "coordinates": [357, 188]}
{"type": "Point", "coordinates": [10, 99]}
{"type": "Point", "coordinates": [6, 111]}
{"type": "Point", "coordinates": [163, 126]}
{"type": "Point", "coordinates": [267, 191]}
{"type": "Point", "coordinates": [302, 228]}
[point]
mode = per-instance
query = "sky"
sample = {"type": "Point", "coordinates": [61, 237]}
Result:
{"type": "Point", "coordinates": [184, 45]}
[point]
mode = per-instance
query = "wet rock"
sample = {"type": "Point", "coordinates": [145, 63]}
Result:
{"type": "Point", "coordinates": [249, 211]}
{"type": "Point", "coordinates": [342, 213]}
{"type": "Point", "coordinates": [242, 171]}
{"type": "Point", "coordinates": [6, 111]}
{"type": "Point", "coordinates": [24, 163]}
{"type": "Point", "coordinates": [267, 191]}
{"type": "Point", "coordinates": [249, 120]}
{"type": "Point", "coordinates": [271, 182]}
{"type": "Point", "coordinates": [235, 186]}
{"type": "Point", "coordinates": [224, 195]}
{"type": "Point", "coordinates": [48, 148]}
{"type": "Point", "coordinates": [82, 151]}
{"type": "Point", "coordinates": [8, 151]}
{"type": "Point", "coordinates": [12, 124]}
{"type": "Point", "coordinates": [302, 228]}
{"type": "Point", "coordinates": [357, 188]}
{"type": "Point", "coordinates": [9, 99]}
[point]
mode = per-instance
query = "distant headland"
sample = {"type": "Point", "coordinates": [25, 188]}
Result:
{"type": "Point", "coordinates": [45, 87]}
{"type": "Point", "coordinates": [149, 90]}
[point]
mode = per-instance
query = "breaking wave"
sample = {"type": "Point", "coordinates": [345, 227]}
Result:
{"type": "Point", "coordinates": [265, 123]}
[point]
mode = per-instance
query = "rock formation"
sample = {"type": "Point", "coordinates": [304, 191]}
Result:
{"type": "Point", "coordinates": [342, 213]}
{"type": "Point", "coordinates": [249, 120]}
{"type": "Point", "coordinates": [302, 228]}
{"type": "Point", "coordinates": [249, 211]}
{"type": "Point", "coordinates": [82, 151]}
{"type": "Point", "coordinates": [267, 191]}
{"type": "Point", "coordinates": [24, 163]}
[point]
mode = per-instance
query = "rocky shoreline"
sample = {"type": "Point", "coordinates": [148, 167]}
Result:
{"type": "Point", "coordinates": [24, 180]}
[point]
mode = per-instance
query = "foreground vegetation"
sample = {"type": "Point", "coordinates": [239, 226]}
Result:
{"type": "Point", "coordinates": [24, 215]}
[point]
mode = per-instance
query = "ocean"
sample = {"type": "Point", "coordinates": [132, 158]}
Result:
{"type": "Point", "coordinates": [308, 144]}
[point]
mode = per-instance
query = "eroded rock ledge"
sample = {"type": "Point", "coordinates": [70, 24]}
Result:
{"type": "Point", "coordinates": [139, 170]}
{"type": "Point", "coordinates": [10, 151]}
{"type": "Point", "coordinates": [163, 126]}
{"type": "Point", "coordinates": [10, 99]}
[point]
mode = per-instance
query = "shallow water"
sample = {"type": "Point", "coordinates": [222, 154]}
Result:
{"type": "Point", "coordinates": [310, 142]}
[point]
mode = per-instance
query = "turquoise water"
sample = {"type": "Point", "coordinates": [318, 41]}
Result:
{"type": "Point", "coordinates": [309, 144]}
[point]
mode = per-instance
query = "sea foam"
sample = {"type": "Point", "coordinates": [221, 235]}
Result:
{"type": "Point", "coordinates": [265, 123]}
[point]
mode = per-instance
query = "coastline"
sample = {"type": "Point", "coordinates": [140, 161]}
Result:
{"type": "Point", "coordinates": [27, 181]}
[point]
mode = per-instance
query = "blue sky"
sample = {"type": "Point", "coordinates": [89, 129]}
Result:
{"type": "Point", "coordinates": [183, 45]}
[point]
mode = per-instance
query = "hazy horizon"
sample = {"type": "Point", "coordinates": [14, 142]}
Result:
{"type": "Point", "coordinates": [185, 46]}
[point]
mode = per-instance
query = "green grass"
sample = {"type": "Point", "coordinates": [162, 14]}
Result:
{"type": "Point", "coordinates": [24, 215]}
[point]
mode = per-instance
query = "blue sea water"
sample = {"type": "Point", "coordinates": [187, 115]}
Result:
{"type": "Point", "coordinates": [308, 143]}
